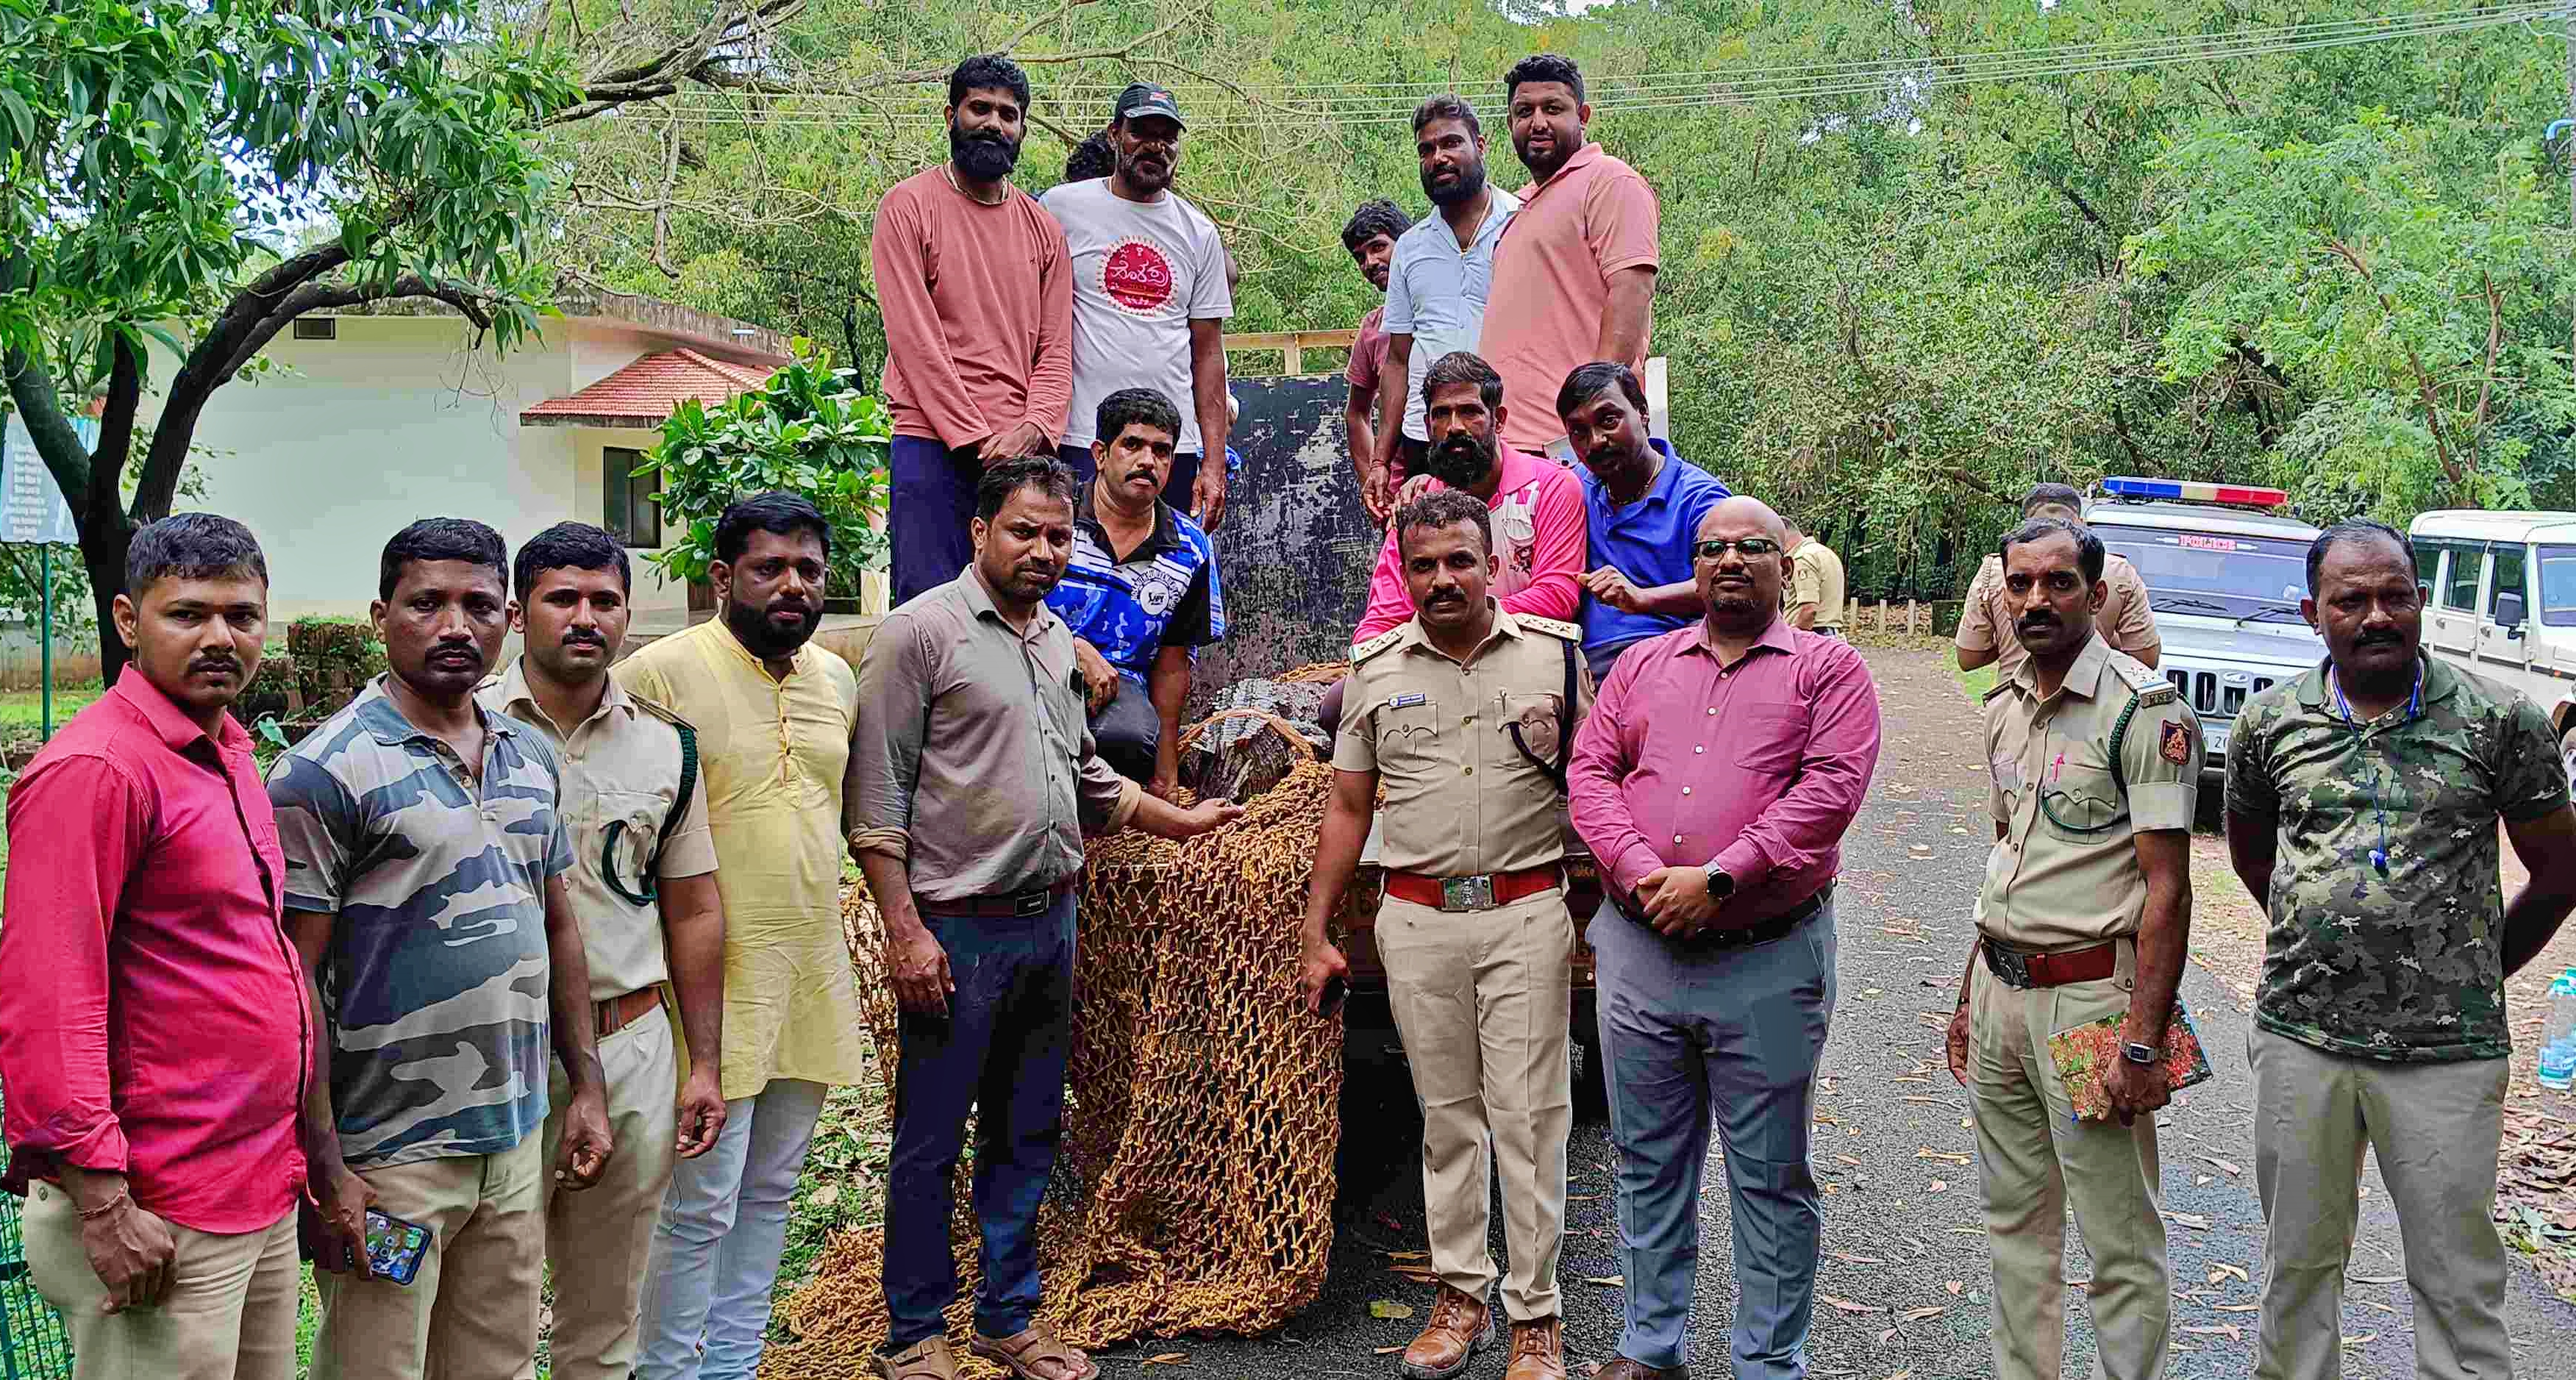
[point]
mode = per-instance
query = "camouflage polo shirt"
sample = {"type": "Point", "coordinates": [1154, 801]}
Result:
{"type": "Point", "coordinates": [435, 982]}
{"type": "Point", "coordinates": [2406, 964]}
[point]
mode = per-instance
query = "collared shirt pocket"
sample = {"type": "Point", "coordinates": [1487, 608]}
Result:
{"type": "Point", "coordinates": [1406, 725]}
{"type": "Point", "coordinates": [620, 842]}
{"type": "Point", "coordinates": [1772, 738]}
{"type": "Point", "coordinates": [2079, 803]}
{"type": "Point", "coordinates": [1540, 723]}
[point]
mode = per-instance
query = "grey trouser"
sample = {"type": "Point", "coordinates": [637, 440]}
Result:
{"type": "Point", "coordinates": [1697, 1038]}
{"type": "Point", "coordinates": [2436, 1129]}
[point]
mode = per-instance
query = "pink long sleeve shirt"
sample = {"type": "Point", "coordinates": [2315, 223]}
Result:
{"type": "Point", "coordinates": [978, 304]}
{"type": "Point", "coordinates": [1759, 766]}
{"type": "Point", "coordinates": [1538, 531]}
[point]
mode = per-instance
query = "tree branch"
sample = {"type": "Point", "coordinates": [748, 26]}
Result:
{"type": "Point", "coordinates": [2495, 342]}
{"type": "Point", "coordinates": [2451, 469]}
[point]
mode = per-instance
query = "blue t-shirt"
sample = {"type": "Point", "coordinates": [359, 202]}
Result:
{"type": "Point", "coordinates": [1648, 541]}
{"type": "Point", "coordinates": [1164, 594]}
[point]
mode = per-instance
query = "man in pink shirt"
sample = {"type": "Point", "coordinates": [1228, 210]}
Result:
{"type": "Point", "coordinates": [977, 292]}
{"type": "Point", "coordinates": [1574, 277]}
{"type": "Point", "coordinates": [1714, 781]}
{"type": "Point", "coordinates": [1370, 237]}
{"type": "Point", "coordinates": [154, 1033]}
{"type": "Point", "coordinates": [1537, 506]}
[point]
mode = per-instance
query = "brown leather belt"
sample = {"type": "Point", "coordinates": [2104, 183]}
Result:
{"type": "Point", "coordinates": [1483, 891]}
{"type": "Point", "coordinates": [615, 1014]}
{"type": "Point", "coordinates": [2015, 968]}
{"type": "Point", "coordinates": [1020, 905]}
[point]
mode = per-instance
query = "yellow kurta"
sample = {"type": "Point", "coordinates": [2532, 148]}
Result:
{"type": "Point", "coordinates": [772, 754]}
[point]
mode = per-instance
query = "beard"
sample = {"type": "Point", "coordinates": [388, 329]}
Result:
{"type": "Point", "coordinates": [1462, 461]}
{"type": "Point", "coordinates": [982, 157]}
{"type": "Point", "coordinates": [1149, 175]}
{"type": "Point", "coordinates": [764, 639]}
{"type": "Point", "coordinates": [1469, 181]}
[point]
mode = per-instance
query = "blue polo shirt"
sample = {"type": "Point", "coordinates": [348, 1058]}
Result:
{"type": "Point", "coordinates": [1648, 541]}
{"type": "Point", "coordinates": [1163, 594]}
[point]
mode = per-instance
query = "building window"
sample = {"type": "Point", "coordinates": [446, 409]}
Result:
{"type": "Point", "coordinates": [631, 515]}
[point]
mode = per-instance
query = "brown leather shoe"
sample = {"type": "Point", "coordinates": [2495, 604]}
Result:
{"type": "Point", "coordinates": [1625, 1369]}
{"type": "Point", "coordinates": [1460, 1327]}
{"type": "Point", "coordinates": [1538, 1350]}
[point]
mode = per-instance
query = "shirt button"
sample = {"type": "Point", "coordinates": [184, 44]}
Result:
{"type": "Point", "coordinates": [1677, 838]}
{"type": "Point", "coordinates": [1686, 790]}
{"type": "Point", "coordinates": [1712, 710]}
{"type": "Point", "coordinates": [1469, 770]}
{"type": "Point", "coordinates": [1697, 750]}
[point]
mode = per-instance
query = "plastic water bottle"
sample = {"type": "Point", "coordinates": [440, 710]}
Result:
{"type": "Point", "coordinates": [2558, 1038]}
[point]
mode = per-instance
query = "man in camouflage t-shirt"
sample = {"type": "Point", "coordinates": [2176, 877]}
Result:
{"type": "Point", "coordinates": [2362, 808]}
{"type": "Point", "coordinates": [424, 889]}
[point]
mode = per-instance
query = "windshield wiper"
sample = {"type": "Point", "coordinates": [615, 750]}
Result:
{"type": "Point", "coordinates": [2269, 609]}
{"type": "Point", "coordinates": [2178, 601]}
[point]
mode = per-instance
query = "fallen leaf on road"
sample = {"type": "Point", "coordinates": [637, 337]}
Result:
{"type": "Point", "coordinates": [1919, 1314]}
{"type": "Point", "coordinates": [2230, 1331]}
{"type": "Point", "coordinates": [1940, 1187]}
{"type": "Point", "coordinates": [1407, 1255]}
{"type": "Point", "coordinates": [1168, 1358]}
{"type": "Point", "coordinates": [1902, 1078]}
{"type": "Point", "coordinates": [1846, 1159]}
{"type": "Point", "coordinates": [1900, 1375]}
{"type": "Point", "coordinates": [1583, 1197]}
{"type": "Point", "coordinates": [1919, 1247]}
{"type": "Point", "coordinates": [1391, 1350]}
{"type": "Point", "coordinates": [2364, 1339]}
{"type": "Point", "coordinates": [2192, 1220]}
{"type": "Point", "coordinates": [2384, 1308]}
{"type": "Point", "coordinates": [2237, 1307]}
{"type": "Point", "coordinates": [1848, 1258]}
{"type": "Point", "coordinates": [1883, 1336]}
{"type": "Point", "coordinates": [2376, 1279]}
{"type": "Point", "coordinates": [1935, 1101]}
{"type": "Point", "coordinates": [2222, 1270]}
{"type": "Point", "coordinates": [2232, 1170]}
{"type": "Point", "coordinates": [1389, 1308]}
{"type": "Point", "coordinates": [1956, 1286]}
{"type": "Point", "coordinates": [1925, 1152]}
{"type": "Point", "coordinates": [1608, 1281]}
{"type": "Point", "coordinates": [1968, 1231]}
{"type": "Point", "coordinates": [1846, 1305]}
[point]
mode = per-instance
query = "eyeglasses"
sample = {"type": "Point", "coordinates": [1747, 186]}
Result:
{"type": "Point", "coordinates": [1751, 546]}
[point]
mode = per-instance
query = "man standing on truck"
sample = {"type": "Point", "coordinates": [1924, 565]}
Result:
{"type": "Point", "coordinates": [1465, 712]}
{"type": "Point", "coordinates": [2363, 804]}
{"type": "Point", "coordinates": [1714, 783]}
{"type": "Point", "coordinates": [1370, 236]}
{"type": "Point", "coordinates": [2125, 621]}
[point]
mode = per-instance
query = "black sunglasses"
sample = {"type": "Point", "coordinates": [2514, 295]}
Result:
{"type": "Point", "coordinates": [1751, 546]}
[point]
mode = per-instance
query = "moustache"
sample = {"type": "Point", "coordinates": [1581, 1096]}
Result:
{"type": "Point", "coordinates": [211, 664]}
{"type": "Point", "coordinates": [2036, 622]}
{"type": "Point", "coordinates": [583, 639]}
{"type": "Point", "coordinates": [2381, 637]}
{"type": "Point", "coordinates": [455, 655]}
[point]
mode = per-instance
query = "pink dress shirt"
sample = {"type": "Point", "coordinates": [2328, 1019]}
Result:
{"type": "Point", "coordinates": [1538, 531]}
{"type": "Point", "coordinates": [1759, 765]}
{"type": "Point", "coordinates": [152, 1015]}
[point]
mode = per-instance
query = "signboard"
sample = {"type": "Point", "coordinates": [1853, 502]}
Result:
{"type": "Point", "coordinates": [31, 508]}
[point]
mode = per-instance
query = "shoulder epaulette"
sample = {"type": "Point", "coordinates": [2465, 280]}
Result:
{"type": "Point", "coordinates": [1553, 627]}
{"type": "Point", "coordinates": [1375, 645]}
{"type": "Point", "coordinates": [2145, 682]}
{"type": "Point", "coordinates": [1997, 688]}
{"type": "Point", "coordinates": [660, 711]}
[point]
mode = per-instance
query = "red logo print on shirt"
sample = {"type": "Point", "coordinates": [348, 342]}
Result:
{"type": "Point", "coordinates": [1137, 276]}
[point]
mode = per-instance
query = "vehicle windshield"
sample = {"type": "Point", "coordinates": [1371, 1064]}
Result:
{"type": "Point", "coordinates": [2558, 586]}
{"type": "Point", "coordinates": [2216, 573]}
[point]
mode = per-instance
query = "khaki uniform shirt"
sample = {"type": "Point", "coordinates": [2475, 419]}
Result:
{"type": "Point", "coordinates": [772, 753]}
{"type": "Point", "coordinates": [621, 769]}
{"type": "Point", "coordinates": [2065, 874]}
{"type": "Point", "coordinates": [976, 763]}
{"type": "Point", "coordinates": [1461, 799]}
{"type": "Point", "coordinates": [1816, 577]}
{"type": "Point", "coordinates": [2125, 621]}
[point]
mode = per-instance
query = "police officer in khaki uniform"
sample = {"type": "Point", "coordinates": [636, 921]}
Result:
{"type": "Point", "coordinates": [2085, 914]}
{"type": "Point", "coordinates": [652, 923]}
{"type": "Point", "coordinates": [1464, 713]}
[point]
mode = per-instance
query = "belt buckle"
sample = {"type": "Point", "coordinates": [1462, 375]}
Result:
{"type": "Point", "coordinates": [1467, 893]}
{"type": "Point", "coordinates": [2012, 967]}
{"type": "Point", "coordinates": [1029, 905]}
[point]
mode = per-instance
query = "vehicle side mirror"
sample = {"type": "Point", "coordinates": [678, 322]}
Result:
{"type": "Point", "coordinates": [2510, 612]}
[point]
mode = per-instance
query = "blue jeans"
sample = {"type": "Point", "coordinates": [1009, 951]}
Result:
{"type": "Point", "coordinates": [1725, 1038]}
{"type": "Point", "coordinates": [1000, 1050]}
{"type": "Point", "coordinates": [1177, 486]}
{"type": "Point", "coordinates": [715, 1251]}
{"type": "Point", "coordinates": [932, 501]}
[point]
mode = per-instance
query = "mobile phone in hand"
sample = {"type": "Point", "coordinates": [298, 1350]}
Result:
{"type": "Point", "coordinates": [1336, 992]}
{"type": "Point", "coordinates": [395, 1247]}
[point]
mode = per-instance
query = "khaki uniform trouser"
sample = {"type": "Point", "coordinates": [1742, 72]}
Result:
{"type": "Point", "coordinates": [471, 1313]}
{"type": "Point", "coordinates": [597, 1240]}
{"type": "Point", "coordinates": [1484, 1000]}
{"type": "Point", "coordinates": [2035, 1159]}
{"type": "Point", "coordinates": [229, 1315]}
{"type": "Point", "coordinates": [2436, 1129]}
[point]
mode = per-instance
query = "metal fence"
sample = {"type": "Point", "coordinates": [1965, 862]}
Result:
{"type": "Point", "coordinates": [32, 1344]}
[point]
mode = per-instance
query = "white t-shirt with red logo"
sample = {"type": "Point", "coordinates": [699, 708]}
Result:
{"type": "Point", "coordinates": [1142, 271]}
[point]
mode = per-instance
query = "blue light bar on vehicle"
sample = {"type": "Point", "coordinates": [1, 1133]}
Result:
{"type": "Point", "coordinates": [2233, 495]}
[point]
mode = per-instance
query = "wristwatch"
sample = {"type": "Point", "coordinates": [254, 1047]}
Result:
{"type": "Point", "coordinates": [2137, 1053]}
{"type": "Point", "coordinates": [1720, 885]}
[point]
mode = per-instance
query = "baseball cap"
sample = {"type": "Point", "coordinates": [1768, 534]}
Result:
{"type": "Point", "coordinates": [1145, 98]}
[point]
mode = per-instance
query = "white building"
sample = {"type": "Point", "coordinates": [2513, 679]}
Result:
{"type": "Point", "coordinates": [376, 417]}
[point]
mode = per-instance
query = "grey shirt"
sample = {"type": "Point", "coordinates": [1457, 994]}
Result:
{"type": "Point", "coordinates": [974, 761]}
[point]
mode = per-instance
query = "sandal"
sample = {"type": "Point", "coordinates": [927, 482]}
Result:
{"type": "Point", "coordinates": [1036, 1347]}
{"type": "Point", "coordinates": [931, 1360]}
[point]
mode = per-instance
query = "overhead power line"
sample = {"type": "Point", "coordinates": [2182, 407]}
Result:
{"type": "Point", "coordinates": [1217, 105]}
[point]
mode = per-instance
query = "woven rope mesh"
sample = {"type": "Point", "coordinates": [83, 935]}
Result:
{"type": "Point", "coordinates": [1195, 1188]}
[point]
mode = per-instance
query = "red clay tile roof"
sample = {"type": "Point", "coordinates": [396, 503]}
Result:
{"type": "Point", "coordinates": [645, 393]}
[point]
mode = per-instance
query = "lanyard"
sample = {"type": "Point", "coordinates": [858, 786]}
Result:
{"type": "Point", "coordinates": [2378, 807]}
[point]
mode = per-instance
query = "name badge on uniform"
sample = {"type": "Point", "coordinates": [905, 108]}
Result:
{"type": "Point", "coordinates": [2007, 772]}
{"type": "Point", "coordinates": [1408, 701]}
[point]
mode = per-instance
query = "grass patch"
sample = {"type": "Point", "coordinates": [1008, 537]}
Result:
{"type": "Point", "coordinates": [1975, 684]}
{"type": "Point", "coordinates": [24, 710]}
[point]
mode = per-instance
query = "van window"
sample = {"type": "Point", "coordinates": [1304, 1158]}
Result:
{"type": "Point", "coordinates": [2428, 563]}
{"type": "Point", "coordinates": [2558, 586]}
{"type": "Point", "coordinates": [2461, 590]}
{"type": "Point", "coordinates": [2508, 576]}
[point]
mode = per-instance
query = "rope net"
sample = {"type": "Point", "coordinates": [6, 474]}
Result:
{"type": "Point", "coordinates": [1194, 1192]}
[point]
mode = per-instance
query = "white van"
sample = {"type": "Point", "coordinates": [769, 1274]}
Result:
{"type": "Point", "coordinates": [2501, 600]}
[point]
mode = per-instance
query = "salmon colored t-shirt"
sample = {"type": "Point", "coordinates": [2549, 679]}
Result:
{"type": "Point", "coordinates": [1551, 283]}
{"type": "Point", "coordinates": [978, 304]}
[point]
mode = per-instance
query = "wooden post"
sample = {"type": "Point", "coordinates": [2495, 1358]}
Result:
{"type": "Point", "coordinates": [1296, 357]}
{"type": "Point", "coordinates": [1911, 608]}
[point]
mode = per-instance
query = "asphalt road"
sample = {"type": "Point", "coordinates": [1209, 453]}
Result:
{"type": "Point", "coordinates": [1904, 1234]}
